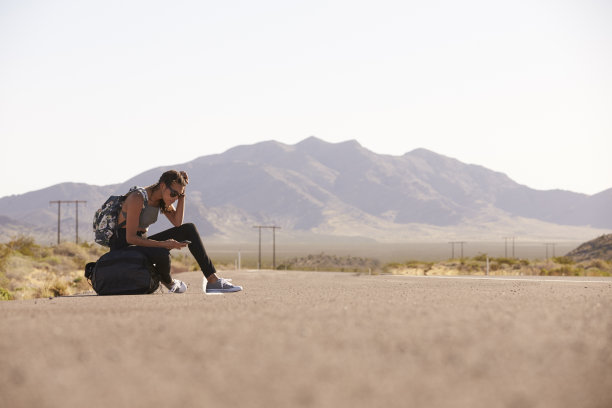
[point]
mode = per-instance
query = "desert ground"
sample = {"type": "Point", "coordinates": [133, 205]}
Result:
{"type": "Point", "coordinates": [316, 339]}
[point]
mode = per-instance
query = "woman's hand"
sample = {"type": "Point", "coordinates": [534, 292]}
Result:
{"type": "Point", "coordinates": [173, 244]}
{"type": "Point", "coordinates": [185, 176]}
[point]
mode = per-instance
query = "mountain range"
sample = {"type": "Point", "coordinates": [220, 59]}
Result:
{"type": "Point", "coordinates": [318, 190]}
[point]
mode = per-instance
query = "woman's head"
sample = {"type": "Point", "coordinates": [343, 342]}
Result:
{"type": "Point", "coordinates": [172, 185]}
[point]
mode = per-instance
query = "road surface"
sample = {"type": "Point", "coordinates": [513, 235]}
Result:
{"type": "Point", "coordinates": [308, 339]}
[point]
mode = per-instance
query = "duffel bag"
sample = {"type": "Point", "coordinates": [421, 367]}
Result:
{"type": "Point", "coordinates": [122, 272]}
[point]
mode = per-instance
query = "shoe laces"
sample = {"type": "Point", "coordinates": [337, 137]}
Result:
{"type": "Point", "coordinates": [176, 286]}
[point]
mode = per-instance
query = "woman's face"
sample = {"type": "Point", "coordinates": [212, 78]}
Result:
{"type": "Point", "coordinates": [171, 193]}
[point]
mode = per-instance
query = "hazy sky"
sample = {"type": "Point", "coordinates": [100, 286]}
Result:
{"type": "Point", "coordinates": [98, 91]}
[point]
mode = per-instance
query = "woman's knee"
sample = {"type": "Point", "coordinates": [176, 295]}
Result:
{"type": "Point", "coordinates": [189, 228]}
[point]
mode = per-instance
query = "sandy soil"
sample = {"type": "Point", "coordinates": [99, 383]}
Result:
{"type": "Point", "coordinates": [305, 339]}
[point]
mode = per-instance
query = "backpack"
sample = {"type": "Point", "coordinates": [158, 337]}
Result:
{"type": "Point", "coordinates": [122, 272]}
{"type": "Point", "coordinates": [105, 219]}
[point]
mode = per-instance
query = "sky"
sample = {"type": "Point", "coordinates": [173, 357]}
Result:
{"type": "Point", "coordinates": [97, 92]}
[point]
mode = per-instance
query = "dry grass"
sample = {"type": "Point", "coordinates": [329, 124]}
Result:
{"type": "Point", "coordinates": [326, 262]}
{"type": "Point", "coordinates": [560, 266]}
{"type": "Point", "coordinates": [28, 270]}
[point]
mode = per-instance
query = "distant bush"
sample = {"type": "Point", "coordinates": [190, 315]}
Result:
{"type": "Point", "coordinates": [24, 245]}
{"type": "Point", "coordinates": [562, 266]}
{"type": "Point", "coordinates": [480, 258]}
{"type": "Point", "coordinates": [53, 288]}
{"type": "Point", "coordinates": [4, 255]}
{"type": "Point", "coordinates": [563, 260]}
{"type": "Point", "coordinates": [5, 294]}
{"type": "Point", "coordinates": [507, 261]}
{"type": "Point", "coordinates": [394, 265]}
{"type": "Point", "coordinates": [471, 266]}
{"type": "Point", "coordinates": [419, 265]}
{"type": "Point", "coordinates": [325, 262]}
{"type": "Point", "coordinates": [565, 270]}
{"type": "Point", "coordinates": [598, 264]}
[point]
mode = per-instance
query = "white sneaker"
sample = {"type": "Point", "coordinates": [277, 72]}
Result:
{"type": "Point", "coordinates": [177, 286]}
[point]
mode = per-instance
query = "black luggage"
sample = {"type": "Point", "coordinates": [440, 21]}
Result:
{"type": "Point", "coordinates": [122, 272]}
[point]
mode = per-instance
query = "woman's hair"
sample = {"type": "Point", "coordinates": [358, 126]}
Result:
{"type": "Point", "coordinates": [168, 177]}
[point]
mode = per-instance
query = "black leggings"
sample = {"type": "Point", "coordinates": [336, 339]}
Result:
{"type": "Point", "coordinates": [160, 257]}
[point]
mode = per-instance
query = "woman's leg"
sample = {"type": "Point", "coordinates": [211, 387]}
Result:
{"type": "Point", "coordinates": [160, 257]}
{"type": "Point", "coordinates": [189, 232]}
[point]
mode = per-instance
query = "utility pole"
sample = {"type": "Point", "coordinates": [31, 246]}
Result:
{"type": "Point", "coordinates": [453, 248]}
{"type": "Point", "coordinates": [59, 206]}
{"type": "Point", "coordinates": [273, 228]}
{"type": "Point", "coordinates": [274, 247]}
{"type": "Point", "coordinates": [550, 244]}
{"type": "Point", "coordinates": [77, 218]}
{"type": "Point", "coordinates": [506, 246]}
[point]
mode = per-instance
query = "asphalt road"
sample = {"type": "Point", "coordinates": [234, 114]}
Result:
{"type": "Point", "coordinates": [306, 339]}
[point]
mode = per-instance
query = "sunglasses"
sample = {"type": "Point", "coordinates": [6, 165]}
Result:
{"type": "Point", "coordinates": [174, 193]}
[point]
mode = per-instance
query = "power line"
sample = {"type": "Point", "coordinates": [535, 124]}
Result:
{"type": "Point", "coordinates": [59, 210]}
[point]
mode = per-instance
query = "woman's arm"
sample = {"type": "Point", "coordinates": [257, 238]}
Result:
{"type": "Point", "coordinates": [134, 204]}
{"type": "Point", "coordinates": [176, 215]}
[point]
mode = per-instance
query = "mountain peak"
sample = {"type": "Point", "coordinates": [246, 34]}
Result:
{"type": "Point", "coordinates": [313, 141]}
{"type": "Point", "coordinates": [426, 154]}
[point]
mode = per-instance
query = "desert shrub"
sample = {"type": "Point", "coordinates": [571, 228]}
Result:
{"type": "Point", "coordinates": [64, 249]}
{"type": "Point", "coordinates": [599, 264]}
{"type": "Point", "coordinates": [471, 266]}
{"type": "Point", "coordinates": [77, 256]}
{"type": "Point", "coordinates": [596, 272]}
{"type": "Point", "coordinates": [52, 260]}
{"type": "Point", "coordinates": [563, 260]}
{"type": "Point", "coordinates": [184, 261]}
{"type": "Point", "coordinates": [53, 288]}
{"type": "Point", "coordinates": [507, 261]}
{"type": "Point", "coordinates": [393, 266]}
{"type": "Point", "coordinates": [566, 270]}
{"type": "Point", "coordinates": [5, 252]}
{"type": "Point", "coordinates": [88, 245]}
{"type": "Point", "coordinates": [6, 294]}
{"type": "Point", "coordinates": [23, 244]}
{"type": "Point", "coordinates": [480, 258]}
{"type": "Point", "coordinates": [426, 266]}
{"type": "Point", "coordinates": [326, 262]}
{"type": "Point", "coordinates": [80, 283]}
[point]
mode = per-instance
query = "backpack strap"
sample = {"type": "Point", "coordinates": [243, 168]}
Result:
{"type": "Point", "coordinates": [143, 193]}
{"type": "Point", "coordinates": [145, 196]}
